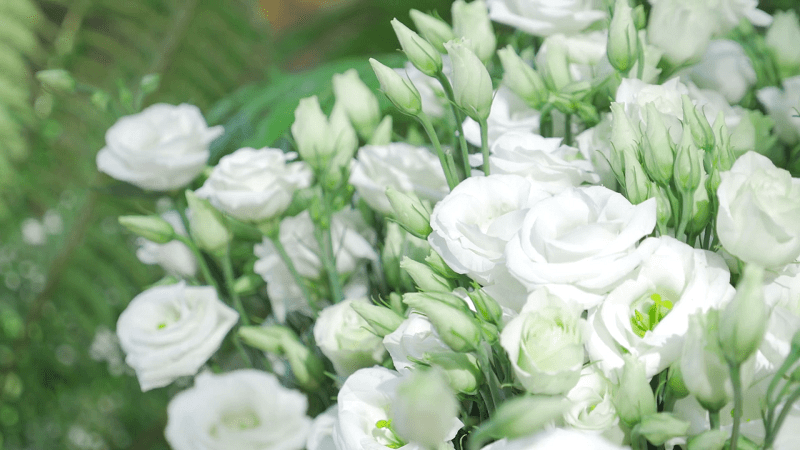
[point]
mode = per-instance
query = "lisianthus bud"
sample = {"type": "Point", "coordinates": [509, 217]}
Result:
{"type": "Point", "coordinates": [688, 167]}
{"type": "Point", "coordinates": [557, 64]}
{"type": "Point", "coordinates": [248, 284]}
{"type": "Point", "coordinates": [624, 138]}
{"type": "Point", "coordinates": [281, 341]}
{"type": "Point", "coordinates": [663, 207]}
{"type": "Point", "coordinates": [383, 133]}
{"type": "Point", "coordinates": [410, 212]}
{"type": "Point", "coordinates": [266, 339]}
{"type": "Point", "coordinates": [622, 37]}
{"type": "Point", "coordinates": [152, 228]}
{"type": "Point", "coordinates": [207, 226]}
{"type": "Point", "coordinates": [521, 416]}
{"type": "Point", "coordinates": [398, 244]}
{"type": "Point", "coordinates": [487, 306]}
{"type": "Point", "coordinates": [634, 398]}
{"type": "Point", "coordinates": [705, 372]}
{"type": "Point", "coordinates": [398, 90]}
{"type": "Point", "coordinates": [661, 427]}
{"type": "Point", "coordinates": [420, 52]}
{"type": "Point", "coordinates": [461, 370]}
{"type": "Point", "coordinates": [471, 21]}
{"type": "Point", "coordinates": [425, 278]}
{"type": "Point", "coordinates": [698, 124]}
{"type": "Point", "coordinates": [709, 440]}
{"type": "Point", "coordinates": [311, 132]}
{"type": "Point", "coordinates": [722, 148]}
{"type": "Point", "coordinates": [436, 262]}
{"type": "Point", "coordinates": [522, 79]}
{"type": "Point", "coordinates": [425, 408]}
{"type": "Point", "coordinates": [785, 29]}
{"type": "Point", "coordinates": [675, 381]}
{"type": "Point", "coordinates": [472, 86]}
{"type": "Point", "coordinates": [637, 185]}
{"type": "Point", "coordinates": [658, 152]}
{"type": "Point", "coordinates": [381, 319]}
{"type": "Point", "coordinates": [444, 297]}
{"type": "Point", "coordinates": [57, 80]}
{"type": "Point", "coordinates": [457, 328]}
{"type": "Point", "coordinates": [435, 31]}
{"type": "Point", "coordinates": [358, 101]}
{"type": "Point", "coordinates": [743, 321]}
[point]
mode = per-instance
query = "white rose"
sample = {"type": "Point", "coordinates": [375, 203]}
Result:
{"type": "Point", "coordinates": [401, 166]}
{"type": "Point", "coordinates": [161, 148]}
{"type": "Point", "coordinates": [759, 212]}
{"type": "Point", "coordinates": [782, 296]}
{"type": "Point", "coordinates": [171, 331]}
{"type": "Point", "coordinates": [556, 439]}
{"type": "Point", "coordinates": [255, 185]}
{"type": "Point", "coordinates": [174, 257]}
{"type": "Point", "coordinates": [546, 17]}
{"type": "Point", "coordinates": [781, 104]}
{"type": "Point", "coordinates": [541, 159]}
{"type": "Point", "coordinates": [413, 338]}
{"type": "Point", "coordinates": [364, 401]}
{"type": "Point", "coordinates": [345, 338]}
{"type": "Point", "coordinates": [585, 237]}
{"type": "Point", "coordinates": [648, 314]}
{"type": "Point", "coordinates": [726, 69]}
{"type": "Point", "coordinates": [545, 345]}
{"type": "Point", "coordinates": [244, 409]}
{"type": "Point", "coordinates": [681, 28]}
{"type": "Point", "coordinates": [472, 225]}
{"type": "Point", "coordinates": [507, 113]}
{"type": "Point", "coordinates": [592, 406]}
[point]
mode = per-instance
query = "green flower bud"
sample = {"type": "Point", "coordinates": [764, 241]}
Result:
{"type": "Point", "coordinates": [425, 278]}
{"type": "Point", "coordinates": [633, 398]}
{"type": "Point", "coordinates": [398, 90]}
{"type": "Point", "coordinates": [488, 308]}
{"type": "Point", "coordinates": [207, 226]}
{"type": "Point", "coordinates": [637, 185]}
{"type": "Point", "coordinates": [436, 263]}
{"type": "Point", "coordinates": [248, 284]}
{"type": "Point", "coordinates": [687, 168]}
{"type": "Point", "coordinates": [410, 212]}
{"type": "Point", "coordinates": [472, 86]}
{"type": "Point", "coordinates": [675, 382]}
{"type": "Point", "coordinates": [57, 80]}
{"type": "Point", "coordinates": [520, 416]}
{"type": "Point", "coordinates": [658, 150]}
{"type": "Point", "coordinates": [266, 339]}
{"type": "Point", "coordinates": [743, 321]}
{"type": "Point", "coordinates": [709, 440]}
{"type": "Point", "coordinates": [722, 148]}
{"type": "Point", "coordinates": [150, 83]}
{"type": "Point", "coordinates": [471, 21]}
{"type": "Point", "coordinates": [698, 124]}
{"type": "Point", "coordinates": [639, 17]}
{"type": "Point", "coordinates": [623, 40]}
{"type": "Point", "coordinates": [435, 31]}
{"type": "Point", "coordinates": [382, 320]}
{"type": "Point", "coordinates": [358, 102]}
{"type": "Point", "coordinates": [420, 52]}
{"type": "Point", "coordinates": [308, 369]}
{"type": "Point", "coordinates": [457, 328]}
{"type": "Point", "coordinates": [557, 64]}
{"type": "Point", "coordinates": [397, 245]}
{"type": "Point", "coordinates": [383, 133]}
{"type": "Point", "coordinates": [624, 138]}
{"type": "Point", "coordinates": [443, 297]}
{"type": "Point", "coordinates": [780, 39]}
{"type": "Point", "coordinates": [663, 206]}
{"type": "Point", "coordinates": [424, 409]}
{"type": "Point", "coordinates": [661, 427]}
{"type": "Point", "coordinates": [522, 79]}
{"type": "Point", "coordinates": [152, 228]}
{"type": "Point", "coordinates": [705, 372]}
{"type": "Point", "coordinates": [311, 133]}
{"type": "Point", "coordinates": [461, 370]}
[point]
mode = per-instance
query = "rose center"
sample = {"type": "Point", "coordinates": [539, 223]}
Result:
{"type": "Point", "coordinates": [648, 312]}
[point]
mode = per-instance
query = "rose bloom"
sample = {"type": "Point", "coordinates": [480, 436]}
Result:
{"type": "Point", "coordinates": [161, 148]}
{"type": "Point", "coordinates": [255, 185]}
{"type": "Point", "coordinates": [171, 331]}
{"type": "Point", "coordinates": [546, 17]}
{"type": "Point", "coordinates": [244, 409]}
{"type": "Point", "coordinates": [759, 212]}
{"type": "Point", "coordinates": [345, 338]}
{"type": "Point", "coordinates": [781, 104]}
{"type": "Point", "coordinates": [402, 166]}
{"type": "Point", "coordinates": [592, 406]}
{"type": "Point", "coordinates": [725, 68]}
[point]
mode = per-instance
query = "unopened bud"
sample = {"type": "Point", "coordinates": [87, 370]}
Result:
{"type": "Point", "coordinates": [382, 320]}
{"type": "Point", "coordinates": [438, 264]}
{"type": "Point", "coordinates": [457, 328]}
{"type": "Point", "coordinates": [743, 321]}
{"type": "Point", "coordinates": [487, 307]}
{"type": "Point", "coordinates": [557, 64]}
{"type": "Point", "coordinates": [522, 79]}
{"type": "Point", "coordinates": [688, 167]}
{"type": "Point", "coordinates": [248, 284]}
{"type": "Point", "coordinates": [472, 86]}
{"type": "Point", "coordinates": [698, 124]}
{"type": "Point", "coordinates": [658, 150]}
{"type": "Point", "coordinates": [675, 382]}
{"type": "Point", "coordinates": [410, 212]}
{"type": "Point", "coordinates": [709, 440]}
{"type": "Point", "coordinates": [358, 102]}
{"type": "Point", "coordinates": [150, 83]}
{"type": "Point", "coordinates": [661, 427]}
{"type": "Point", "coordinates": [622, 38]}
{"type": "Point", "coordinates": [521, 416]}
{"type": "Point", "coordinates": [398, 90]}
{"type": "Point", "coordinates": [425, 278]}
{"type": "Point", "coordinates": [425, 408]}
{"type": "Point", "coordinates": [383, 133]}
{"type": "Point", "coordinates": [57, 80]}
{"type": "Point", "coordinates": [705, 371]}
{"type": "Point", "coordinates": [435, 31]}
{"type": "Point", "coordinates": [471, 21]}
{"type": "Point", "coordinates": [207, 226]}
{"type": "Point", "coordinates": [634, 398]}
{"type": "Point", "coordinates": [637, 185]}
{"type": "Point", "coordinates": [420, 52]}
{"type": "Point", "coordinates": [152, 228]}
{"type": "Point", "coordinates": [461, 370]}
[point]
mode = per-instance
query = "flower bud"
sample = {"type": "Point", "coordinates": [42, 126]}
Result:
{"type": "Point", "coordinates": [623, 47]}
{"type": "Point", "coordinates": [709, 440]}
{"type": "Point", "coordinates": [521, 416]}
{"type": "Point", "coordinates": [557, 64]}
{"type": "Point", "coordinates": [675, 382]}
{"type": "Point", "coordinates": [624, 138]}
{"type": "Point", "coordinates": [207, 226]}
{"type": "Point", "coordinates": [398, 90]}
{"type": "Point", "coordinates": [436, 263]}
{"type": "Point", "coordinates": [345, 144]}
{"type": "Point", "coordinates": [658, 151]}
{"type": "Point", "coordinates": [152, 228]}
{"type": "Point", "coordinates": [266, 339]}
{"type": "Point", "coordinates": [311, 132]}
{"type": "Point", "coordinates": [358, 102]}
{"type": "Point", "coordinates": [425, 408]}
{"type": "Point", "coordinates": [56, 80]}
{"type": "Point", "coordinates": [785, 29]}
{"type": "Point", "coordinates": [444, 297]}
{"type": "Point", "coordinates": [488, 308]}
{"type": "Point", "coordinates": [150, 83]}
{"type": "Point", "coordinates": [687, 168]}
{"type": "Point", "coordinates": [425, 278]}
{"type": "Point", "coordinates": [633, 398]}
{"type": "Point", "coordinates": [461, 370]}
{"type": "Point", "coordinates": [722, 148]}
{"type": "Point", "coordinates": [410, 212]}
{"type": "Point", "coordinates": [743, 321]}
{"type": "Point", "coordinates": [471, 21]}
{"type": "Point", "coordinates": [307, 368]}
{"type": "Point", "coordinates": [705, 372]}
{"type": "Point", "coordinates": [435, 31]}
{"type": "Point", "coordinates": [398, 244]}
{"type": "Point", "coordinates": [663, 207]}
{"type": "Point", "coordinates": [381, 319]}
{"type": "Point", "coordinates": [639, 17]}
{"type": "Point", "coordinates": [420, 52]}
{"type": "Point", "coordinates": [248, 284]}
{"type": "Point", "coordinates": [522, 79]}
{"type": "Point", "coordinates": [637, 185]}
{"type": "Point", "coordinates": [698, 124]}
{"type": "Point", "coordinates": [383, 133]}
{"type": "Point", "coordinates": [457, 328]}
{"type": "Point", "coordinates": [472, 86]}
{"type": "Point", "coordinates": [661, 427]}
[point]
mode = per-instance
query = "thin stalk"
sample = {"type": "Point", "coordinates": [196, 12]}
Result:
{"type": "Point", "coordinates": [713, 419]}
{"type": "Point", "coordinates": [773, 433]}
{"type": "Point", "coordinates": [485, 145]}
{"type": "Point", "coordinates": [738, 404]}
{"type": "Point", "coordinates": [201, 261]}
{"type": "Point", "coordinates": [447, 167]}
{"type": "Point", "coordinates": [687, 200]}
{"type": "Point", "coordinates": [568, 130]}
{"type": "Point", "coordinates": [298, 279]}
{"type": "Point", "coordinates": [227, 272]}
{"type": "Point", "coordinates": [484, 359]}
{"type": "Point", "coordinates": [462, 140]}
{"type": "Point", "coordinates": [322, 233]}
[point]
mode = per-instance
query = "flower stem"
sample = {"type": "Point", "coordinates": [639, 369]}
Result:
{"type": "Point", "coordinates": [298, 279]}
{"type": "Point", "coordinates": [713, 419]}
{"type": "Point", "coordinates": [485, 146]}
{"type": "Point", "coordinates": [773, 433]}
{"type": "Point", "coordinates": [201, 261]}
{"type": "Point", "coordinates": [462, 140]}
{"type": "Point", "coordinates": [447, 165]}
{"type": "Point", "coordinates": [738, 403]}
{"type": "Point", "coordinates": [227, 271]}
{"type": "Point", "coordinates": [322, 233]}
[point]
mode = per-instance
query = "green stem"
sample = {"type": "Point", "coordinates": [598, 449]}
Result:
{"type": "Point", "coordinates": [322, 233]}
{"type": "Point", "coordinates": [462, 140]}
{"type": "Point", "coordinates": [713, 419]}
{"type": "Point", "coordinates": [201, 261]}
{"type": "Point", "coordinates": [687, 200]}
{"type": "Point", "coordinates": [738, 403]}
{"type": "Point", "coordinates": [447, 167]}
{"type": "Point", "coordinates": [773, 433]}
{"type": "Point", "coordinates": [298, 279]}
{"type": "Point", "coordinates": [568, 130]}
{"type": "Point", "coordinates": [227, 272]}
{"type": "Point", "coordinates": [484, 360]}
{"type": "Point", "coordinates": [485, 146]}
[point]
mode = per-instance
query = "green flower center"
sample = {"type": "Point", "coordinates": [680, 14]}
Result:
{"type": "Point", "coordinates": [650, 311]}
{"type": "Point", "coordinates": [391, 438]}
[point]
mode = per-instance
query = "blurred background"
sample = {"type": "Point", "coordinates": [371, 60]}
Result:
{"type": "Point", "coordinates": [66, 268]}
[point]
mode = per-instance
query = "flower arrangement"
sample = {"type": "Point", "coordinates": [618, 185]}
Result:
{"type": "Point", "coordinates": [576, 228]}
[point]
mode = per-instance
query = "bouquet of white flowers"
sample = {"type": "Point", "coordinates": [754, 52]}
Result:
{"type": "Point", "coordinates": [596, 245]}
